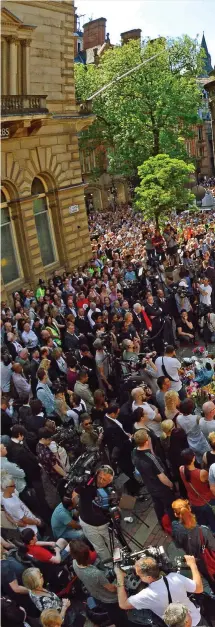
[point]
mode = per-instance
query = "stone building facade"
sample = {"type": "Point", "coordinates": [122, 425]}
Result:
{"type": "Point", "coordinates": [43, 215]}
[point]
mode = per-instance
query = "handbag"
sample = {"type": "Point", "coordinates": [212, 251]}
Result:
{"type": "Point", "coordinates": [201, 497]}
{"type": "Point", "coordinates": [207, 555]}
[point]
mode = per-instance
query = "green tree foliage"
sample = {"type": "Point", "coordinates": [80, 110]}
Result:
{"type": "Point", "coordinates": [152, 110]}
{"type": "Point", "coordinates": [163, 187]}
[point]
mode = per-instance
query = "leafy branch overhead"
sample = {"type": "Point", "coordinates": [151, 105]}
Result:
{"type": "Point", "coordinates": [163, 187]}
{"type": "Point", "coordinates": [151, 111]}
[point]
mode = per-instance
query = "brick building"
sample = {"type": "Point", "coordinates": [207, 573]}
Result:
{"type": "Point", "coordinates": [210, 87]}
{"type": "Point", "coordinates": [90, 44]}
{"type": "Point", "coordinates": [43, 215]}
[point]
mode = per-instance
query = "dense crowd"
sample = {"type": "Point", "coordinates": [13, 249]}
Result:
{"type": "Point", "coordinates": [90, 363]}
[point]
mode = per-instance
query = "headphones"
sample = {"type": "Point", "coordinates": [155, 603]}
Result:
{"type": "Point", "coordinates": [105, 468]}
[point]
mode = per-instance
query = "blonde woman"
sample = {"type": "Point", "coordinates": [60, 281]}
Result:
{"type": "Point", "coordinates": [46, 600]}
{"type": "Point", "coordinates": [43, 599]}
{"type": "Point", "coordinates": [172, 402]}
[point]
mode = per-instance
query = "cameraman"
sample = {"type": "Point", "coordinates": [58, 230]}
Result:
{"type": "Point", "coordinates": [93, 518]}
{"type": "Point", "coordinates": [182, 297]}
{"type": "Point", "coordinates": [161, 590]}
{"type": "Point", "coordinates": [90, 438]}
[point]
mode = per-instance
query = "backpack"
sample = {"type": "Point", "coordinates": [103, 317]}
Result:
{"type": "Point", "coordinates": [147, 618]}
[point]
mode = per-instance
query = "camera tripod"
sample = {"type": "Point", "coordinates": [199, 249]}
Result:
{"type": "Point", "coordinates": [114, 530]}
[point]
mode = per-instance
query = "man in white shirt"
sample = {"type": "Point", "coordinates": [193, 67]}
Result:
{"type": "Point", "coordinates": [90, 313]}
{"type": "Point", "coordinates": [17, 510]}
{"type": "Point", "coordinates": [205, 292]}
{"type": "Point", "coordinates": [30, 338]}
{"type": "Point", "coordinates": [168, 366]}
{"type": "Point", "coordinates": [207, 424]}
{"type": "Point", "coordinates": [156, 597]}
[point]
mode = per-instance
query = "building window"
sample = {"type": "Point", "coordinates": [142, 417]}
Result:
{"type": "Point", "coordinates": [43, 223]}
{"type": "Point", "coordinates": [10, 264]}
{"type": "Point", "coordinates": [200, 135]}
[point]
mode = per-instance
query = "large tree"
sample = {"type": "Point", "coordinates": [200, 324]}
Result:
{"type": "Point", "coordinates": [150, 111]}
{"type": "Point", "coordinates": [164, 187]}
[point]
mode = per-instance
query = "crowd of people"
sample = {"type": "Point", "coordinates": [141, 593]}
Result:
{"type": "Point", "coordinates": [90, 362]}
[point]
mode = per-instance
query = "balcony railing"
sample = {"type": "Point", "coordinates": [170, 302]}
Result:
{"type": "Point", "coordinates": [23, 105]}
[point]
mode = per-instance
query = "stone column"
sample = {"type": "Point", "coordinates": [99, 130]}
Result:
{"type": "Point", "coordinates": [12, 65]}
{"type": "Point", "coordinates": [26, 66]}
{"type": "Point", "coordinates": [4, 67]}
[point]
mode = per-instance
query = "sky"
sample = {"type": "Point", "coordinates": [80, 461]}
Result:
{"type": "Point", "coordinates": [155, 17]}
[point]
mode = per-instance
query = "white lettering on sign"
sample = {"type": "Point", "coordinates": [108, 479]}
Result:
{"type": "Point", "coordinates": [5, 133]}
{"type": "Point", "coordinates": [73, 209]}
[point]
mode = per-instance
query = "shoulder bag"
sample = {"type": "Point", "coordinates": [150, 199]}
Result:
{"type": "Point", "coordinates": [207, 555]}
{"type": "Point", "coordinates": [201, 497]}
{"type": "Point", "coordinates": [163, 367]}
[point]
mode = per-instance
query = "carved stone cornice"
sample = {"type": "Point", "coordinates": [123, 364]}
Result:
{"type": "Point", "coordinates": [11, 39]}
{"type": "Point", "coordinates": [26, 42]}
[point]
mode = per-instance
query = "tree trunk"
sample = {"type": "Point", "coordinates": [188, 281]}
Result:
{"type": "Point", "coordinates": [156, 146]}
{"type": "Point", "coordinates": [157, 221]}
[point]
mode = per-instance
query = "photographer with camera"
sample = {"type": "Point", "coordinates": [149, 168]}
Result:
{"type": "Point", "coordinates": [93, 519]}
{"type": "Point", "coordinates": [182, 297]}
{"type": "Point", "coordinates": [90, 438]}
{"type": "Point", "coordinates": [161, 590]}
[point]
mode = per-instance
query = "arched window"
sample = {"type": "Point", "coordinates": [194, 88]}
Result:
{"type": "Point", "coordinates": [43, 222]}
{"type": "Point", "coordinates": [10, 262]}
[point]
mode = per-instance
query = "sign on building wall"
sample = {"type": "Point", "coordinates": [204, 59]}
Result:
{"type": "Point", "coordinates": [73, 209]}
{"type": "Point", "coordinates": [5, 132]}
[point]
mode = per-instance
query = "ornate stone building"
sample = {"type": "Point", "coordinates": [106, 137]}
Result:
{"type": "Point", "coordinates": [43, 215]}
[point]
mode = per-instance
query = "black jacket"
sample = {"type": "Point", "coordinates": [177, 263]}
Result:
{"type": "Point", "coordinates": [6, 423]}
{"type": "Point", "coordinates": [21, 455]}
{"type": "Point", "coordinates": [139, 322]}
{"type": "Point", "coordinates": [33, 370]}
{"type": "Point", "coordinates": [71, 341]}
{"type": "Point", "coordinates": [82, 325]}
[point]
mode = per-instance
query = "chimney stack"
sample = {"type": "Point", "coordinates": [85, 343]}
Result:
{"type": "Point", "coordinates": [130, 34]}
{"type": "Point", "coordinates": [94, 33]}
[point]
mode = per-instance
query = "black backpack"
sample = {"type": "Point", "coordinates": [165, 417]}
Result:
{"type": "Point", "coordinates": [146, 618]}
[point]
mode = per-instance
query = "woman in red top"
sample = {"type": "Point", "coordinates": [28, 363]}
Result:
{"type": "Point", "coordinates": [198, 490]}
{"type": "Point", "coordinates": [40, 550]}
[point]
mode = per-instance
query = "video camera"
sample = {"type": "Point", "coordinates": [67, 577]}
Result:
{"type": "Point", "coordinates": [69, 438]}
{"type": "Point", "coordinates": [126, 560]}
{"type": "Point", "coordinates": [82, 471]}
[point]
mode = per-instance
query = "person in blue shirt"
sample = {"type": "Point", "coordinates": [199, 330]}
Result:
{"type": "Point", "coordinates": [130, 274]}
{"type": "Point", "coordinates": [64, 521]}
